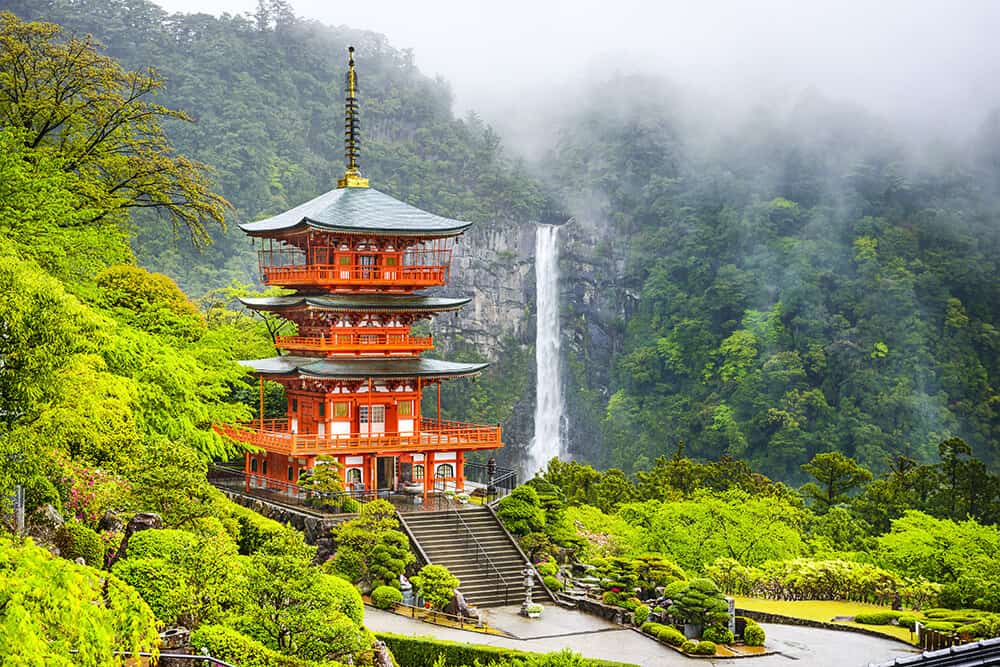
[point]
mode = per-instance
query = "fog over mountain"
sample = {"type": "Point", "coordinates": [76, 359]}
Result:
{"type": "Point", "coordinates": [930, 66]}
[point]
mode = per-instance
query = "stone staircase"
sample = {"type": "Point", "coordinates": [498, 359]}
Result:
{"type": "Point", "coordinates": [474, 547]}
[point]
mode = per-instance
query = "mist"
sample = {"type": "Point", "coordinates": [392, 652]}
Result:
{"type": "Point", "coordinates": [930, 67]}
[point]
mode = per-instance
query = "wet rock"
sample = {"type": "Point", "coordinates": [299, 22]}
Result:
{"type": "Point", "coordinates": [110, 522]}
{"type": "Point", "coordinates": [43, 523]}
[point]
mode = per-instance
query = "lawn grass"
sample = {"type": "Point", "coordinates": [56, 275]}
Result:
{"type": "Point", "coordinates": [825, 611]}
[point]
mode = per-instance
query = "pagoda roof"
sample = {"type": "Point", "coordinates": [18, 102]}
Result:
{"type": "Point", "coordinates": [344, 369]}
{"type": "Point", "coordinates": [357, 302]}
{"type": "Point", "coordinates": [358, 211]}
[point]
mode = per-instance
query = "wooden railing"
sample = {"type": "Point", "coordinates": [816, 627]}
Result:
{"type": "Point", "coordinates": [274, 435]}
{"type": "Point", "coordinates": [405, 278]}
{"type": "Point", "coordinates": [357, 344]}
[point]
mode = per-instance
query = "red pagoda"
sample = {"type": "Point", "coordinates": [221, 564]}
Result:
{"type": "Point", "coordinates": [354, 375]}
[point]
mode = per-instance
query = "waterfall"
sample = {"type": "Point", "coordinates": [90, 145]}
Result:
{"type": "Point", "coordinates": [547, 441]}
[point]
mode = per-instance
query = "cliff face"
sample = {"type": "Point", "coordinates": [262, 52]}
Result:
{"type": "Point", "coordinates": [495, 265]}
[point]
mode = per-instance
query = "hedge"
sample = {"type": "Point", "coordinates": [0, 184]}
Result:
{"type": "Point", "coordinates": [718, 634]}
{"type": "Point", "coordinates": [229, 645]}
{"type": "Point", "coordinates": [878, 618]}
{"type": "Point", "coordinates": [425, 651]}
{"type": "Point", "coordinates": [704, 648]}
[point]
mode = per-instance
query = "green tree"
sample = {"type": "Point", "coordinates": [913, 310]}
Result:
{"type": "Point", "coordinates": [436, 584]}
{"type": "Point", "coordinates": [836, 477]}
{"type": "Point", "coordinates": [96, 117]}
{"type": "Point", "coordinates": [54, 612]}
{"type": "Point", "coordinates": [371, 550]}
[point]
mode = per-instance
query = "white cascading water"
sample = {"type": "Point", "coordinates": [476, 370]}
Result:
{"type": "Point", "coordinates": [547, 442]}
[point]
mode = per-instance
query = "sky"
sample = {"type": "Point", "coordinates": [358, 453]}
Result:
{"type": "Point", "coordinates": [930, 64]}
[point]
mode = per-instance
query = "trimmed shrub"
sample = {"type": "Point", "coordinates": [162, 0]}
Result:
{"type": "Point", "coordinates": [548, 569]}
{"type": "Point", "coordinates": [435, 584]}
{"type": "Point", "coordinates": [908, 621]}
{"type": "Point", "coordinates": [426, 651]}
{"type": "Point", "coordinates": [611, 598]}
{"type": "Point", "coordinates": [385, 597]}
{"type": "Point", "coordinates": [641, 614]}
{"type": "Point", "coordinates": [255, 530]}
{"type": "Point", "coordinates": [650, 627]}
{"type": "Point", "coordinates": [941, 626]}
{"type": "Point", "coordinates": [160, 583]}
{"type": "Point", "coordinates": [689, 646]}
{"type": "Point", "coordinates": [877, 618]}
{"type": "Point", "coordinates": [229, 645]}
{"type": "Point", "coordinates": [76, 540]}
{"type": "Point", "coordinates": [670, 635]}
{"type": "Point", "coordinates": [552, 583]}
{"type": "Point", "coordinates": [718, 634]}
{"type": "Point", "coordinates": [704, 648]}
{"type": "Point", "coordinates": [754, 635]}
{"type": "Point", "coordinates": [169, 544]}
{"type": "Point", "coordinates": [350, 506]}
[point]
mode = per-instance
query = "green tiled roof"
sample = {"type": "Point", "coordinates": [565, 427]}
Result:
{"type": "Point", "coordinates": [365, 302]}
{"type": "Point", "coordinates": [362, 368]}
{"type": "Point", "coordinates": [358, 210]}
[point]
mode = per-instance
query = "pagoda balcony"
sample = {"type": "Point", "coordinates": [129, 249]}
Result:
{"type": "Point", "coordinates": [274, 435]}
{"type": "Point", "coordinates": [356, 276]}
{"type": "Point", "coordinates": [358, 344]}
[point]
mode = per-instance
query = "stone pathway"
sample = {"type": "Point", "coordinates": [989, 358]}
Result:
{"type": "Point", "coordinates": [593, 637]}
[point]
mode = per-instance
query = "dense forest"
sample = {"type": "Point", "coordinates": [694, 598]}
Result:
{"type": "Point", "coordinates": [801, 280]}
{"type": "Point", "coordinates": [797, 280]}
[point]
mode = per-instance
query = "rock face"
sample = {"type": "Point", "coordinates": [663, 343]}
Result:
{"type": "Point", "coordinates": [495, 265]}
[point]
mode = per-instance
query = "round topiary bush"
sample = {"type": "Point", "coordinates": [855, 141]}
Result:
{"type": "Point", "coordinates": [547, 568]}
{"type": "Point", "coordinates": [908, 621]}
{"type": "Point", "coordinates": [718, 634]}
{"type": "Point", "coordinates": [385, 597]}
{"type": "Point", "coordinates": [76, 540]}
{"type": "Point", "coordinates": [435, 584]}
{"type": "Point", "coordinates": [670, 635]}
{"type": "Point", "coordinates": [689, 646]}
{"type": "Point", "coordinates": [704, 648]}
{"type": "Point", "coordinates": [753, 635]}
{"type": "Point", "coordinates": [611, 598]}
{"type": "Point", "coordinates": [641, 614]}
{"type": "Point", "coordinates": [552, 583]}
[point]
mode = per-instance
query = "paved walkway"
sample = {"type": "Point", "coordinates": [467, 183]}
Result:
{"type": "Point", "coordinates": [594, 637]}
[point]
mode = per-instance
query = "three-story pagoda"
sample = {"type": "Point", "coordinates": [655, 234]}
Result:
{"type": "Point", "coordinates": [354, 375]}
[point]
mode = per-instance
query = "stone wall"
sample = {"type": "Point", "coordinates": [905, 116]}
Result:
{"type": "Point", "coordinates": [312, 527]}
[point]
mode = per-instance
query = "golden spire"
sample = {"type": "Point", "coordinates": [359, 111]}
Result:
{"type": "Point", "coordinates": [352, 176]}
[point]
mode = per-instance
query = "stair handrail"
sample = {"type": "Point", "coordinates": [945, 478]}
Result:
{"type": "Point", "coordinates": [482, 550]}
{"type": "Point", "coordinates": [413, 538]}
{"type": "Point", "coordinates": [517, 546]}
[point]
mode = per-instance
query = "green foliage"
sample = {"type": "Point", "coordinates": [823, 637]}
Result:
{"type": "Point", "coordinates": [42, 624]}
{"type": "Point", "coordinates": [426, 652]}
{"type": "Point", "coordinates": [719, 634]}
{"type": "Point", "coordinates": [371, 551]}
{"type": "Point", "coordinates": [435, 584]}
{"type": "Point", "coordinates": [552, 583]}
{"type": "Point", "coordinates": [385, 597]}
{"type": "Point", "coordinates": [704, 648]}
{"type": "Point", "coordinates": [75, 540]}
{"type": "Point", "coordinates": [326, 479]}
{"type": "Point", "coordinates": [229, 645]}
{"type": "Point", "coordinates": [255, 530]}
{"type": "Point", "coordinates": [521, 511]}
{"type": "Point", "coordinates": [669, 635]}
{"type": "Point", "coordinates": [908, 621]}
{"type": "Point", "coordinates": [836, 476]}
{"type": "Point", "coordinates": [640, 615]}
{"type": "Point", "coordinates": [85, 109]}
{"type": "Point", "coordinates": [877, 618]}
{"type": "Point", "coordinates": [753, 635]}
{"type": "Point", "coordinates": [149, 301]}
{"type": "Point", "coordinates": [700, 602]}
{"type": "Point", "coordinates": [689, 646]}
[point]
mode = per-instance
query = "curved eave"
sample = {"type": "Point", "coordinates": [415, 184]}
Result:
{"type": "Point", "coordinates": [357, 211]}
{"type": "Point", "coordinates": [385, 303]}
{"type": "Point", "coordinates": [361, 369]}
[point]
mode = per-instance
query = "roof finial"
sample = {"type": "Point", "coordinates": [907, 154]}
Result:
{"type": "Point", "coordinates": [352, 176]}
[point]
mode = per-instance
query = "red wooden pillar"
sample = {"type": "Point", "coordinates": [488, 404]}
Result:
{"type": "Point", "coordinates": [428, 473]}
{"type": "Point", "coordinates": [460, 471]}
